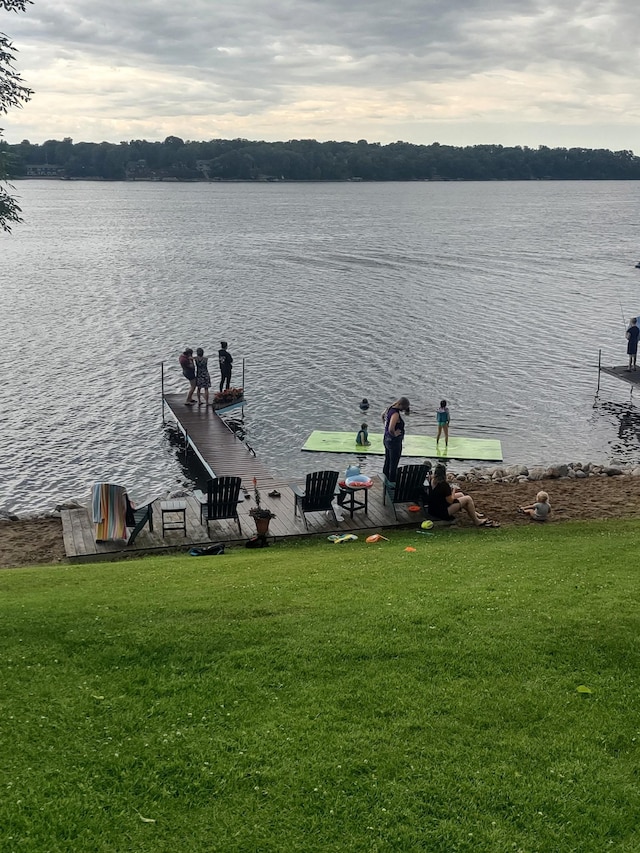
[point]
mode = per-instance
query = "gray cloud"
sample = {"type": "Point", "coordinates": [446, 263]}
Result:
{"type": "Point", "coordinates": [368, 64]}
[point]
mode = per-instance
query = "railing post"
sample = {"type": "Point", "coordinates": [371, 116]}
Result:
{"type": "Point", "coordinates": [162, 390]}
{"type": "Point", "coordinates": [599, 370]}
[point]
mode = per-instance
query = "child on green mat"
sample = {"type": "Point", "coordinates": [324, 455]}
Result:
{"type": "Point", "coordinates": [443, 418]}
{"type": "Point", "coordinates": [362, 438]}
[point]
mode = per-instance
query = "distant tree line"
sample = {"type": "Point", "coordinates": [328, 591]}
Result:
{"type": "Point", "coordinates": [13, 93]}
{"type": "Point", "coordinates": [308, 160]}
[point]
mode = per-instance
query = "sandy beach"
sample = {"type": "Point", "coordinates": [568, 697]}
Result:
{"type": "Point", "coordinates": [39, 541]}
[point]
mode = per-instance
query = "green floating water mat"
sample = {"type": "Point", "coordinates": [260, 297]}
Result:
{"type": "Point", "coordinates": [485, 449]}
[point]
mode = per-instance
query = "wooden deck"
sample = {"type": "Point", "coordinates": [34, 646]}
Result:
{"type": "Point", "coordinates": [81, 546]}
{"type": "Point", "coordinates": [222, 453]}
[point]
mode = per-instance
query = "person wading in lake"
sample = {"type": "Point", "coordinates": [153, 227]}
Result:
{"type": "Point", "coordinates": [632, 334]}
{"type": "Point", "coordinates": [393, 436]}
{"type": "Point", "coordinates": [189, 372]}
{"type": "Point", "coordinates": [225, 365]}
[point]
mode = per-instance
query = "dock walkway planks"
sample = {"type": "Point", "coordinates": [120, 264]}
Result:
{"type": "Point", "coordinates": [220, 451]}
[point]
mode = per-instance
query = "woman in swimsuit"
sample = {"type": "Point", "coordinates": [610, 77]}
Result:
{"type": "Point", "coordinates": [393, 436]}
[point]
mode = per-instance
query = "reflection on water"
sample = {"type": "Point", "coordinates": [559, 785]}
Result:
{"type": "Point", "coordinates": [496, 296]}
{"type": "Point", "coordinates": [626, 448]}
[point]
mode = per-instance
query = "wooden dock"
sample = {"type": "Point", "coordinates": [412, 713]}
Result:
{"type": "Point", "coordinates": [81, 546]}
{"type": "Point", "coordinates": [222, 453]}
{"type": "Point", "coordinates": [623, 373]}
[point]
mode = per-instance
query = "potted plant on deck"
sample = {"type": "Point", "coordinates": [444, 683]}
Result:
{"type": "Point", "coordinates": [261, 515]}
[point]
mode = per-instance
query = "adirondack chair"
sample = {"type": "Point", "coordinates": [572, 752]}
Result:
{"type": "Point", "coordinates": [141, 516]}
{"type": "Point", "coordinates": [408, 488]}
{"type": "Point", "coordinates": [317, 495]}
{"type": "Point", "coordinates": [221, 501]}
{"type": "Point", "coordinates": [114, 515]}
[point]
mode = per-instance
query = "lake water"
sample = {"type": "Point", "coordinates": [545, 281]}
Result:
{"type": "Point", "coordinates": [496, 296]}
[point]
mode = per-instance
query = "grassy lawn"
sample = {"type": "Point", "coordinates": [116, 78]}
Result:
{"type": "Point", "coordinates": [320, 697]}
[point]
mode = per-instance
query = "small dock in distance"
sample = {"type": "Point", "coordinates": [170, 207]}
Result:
{"type": "Point", "coordinates": [623, 373]}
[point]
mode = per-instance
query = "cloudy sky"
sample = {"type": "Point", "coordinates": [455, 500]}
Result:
{"type": "Point", "coordinates": [462, 72]}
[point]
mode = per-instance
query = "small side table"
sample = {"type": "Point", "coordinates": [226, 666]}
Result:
{"type": "Point", "coordinates": [177, 509]}
{"type": "Point", "coordinates": [347, 499]}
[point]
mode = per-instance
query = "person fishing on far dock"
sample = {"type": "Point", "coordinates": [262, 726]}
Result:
{"type": "Point", "coordinates": [632, 334]}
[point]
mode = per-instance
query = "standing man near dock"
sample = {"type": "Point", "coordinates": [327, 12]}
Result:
{"type": "Point", "coordinates": [226, 361]}
{"type": "Point", "coordinates": [632, 334]}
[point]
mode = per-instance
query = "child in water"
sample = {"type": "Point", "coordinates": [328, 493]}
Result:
{"type": "Point", "coordinates": [362, 438]}
{"type": "Point", "coordinates": [540, 510]}
{"type": "Point", "coordinates": [443, 418]}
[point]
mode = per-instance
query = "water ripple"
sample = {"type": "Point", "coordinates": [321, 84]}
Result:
{"type": "Point", "coordinates": [495, 296]}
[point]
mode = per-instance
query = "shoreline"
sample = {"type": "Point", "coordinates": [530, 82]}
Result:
{"type": "Point", "coordinates": [585, 493]}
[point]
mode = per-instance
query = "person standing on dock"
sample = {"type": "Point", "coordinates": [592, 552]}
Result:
{"type": "Point", "coordinates": [226, 361]}
{"type": "Point", "coordinates": [632, 334]}
{"type": "Point", "coordinates": [203, 380]}
{"type": "Point", "coordinates": [189, 372]}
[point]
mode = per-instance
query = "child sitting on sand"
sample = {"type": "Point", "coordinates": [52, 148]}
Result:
{"type": "Point", "coordinates": [540, 510]}
{"type": "Point", "coordinates": [362, 438]}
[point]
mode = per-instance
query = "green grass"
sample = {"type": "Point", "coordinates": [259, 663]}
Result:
{"type": "Point", "coordinates": [319, 697]}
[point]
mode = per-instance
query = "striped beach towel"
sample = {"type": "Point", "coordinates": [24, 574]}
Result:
{"type": "Point", "coordinates": [109, 505]}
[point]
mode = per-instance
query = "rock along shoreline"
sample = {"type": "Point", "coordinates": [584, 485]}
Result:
{"type": "Point", "coordinates": [524, 474]}
{"type": "Point", "coordinates": [476, 474]}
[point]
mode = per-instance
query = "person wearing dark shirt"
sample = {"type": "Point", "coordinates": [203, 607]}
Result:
{"type": "Point", "coordinates": [393, 437]}
{"type": "Point", "coordinates": [632, 334]}
{"type": "Point", "coordinates": [225, 365]}
{"type": "Point", "coordinates": [445, 503]}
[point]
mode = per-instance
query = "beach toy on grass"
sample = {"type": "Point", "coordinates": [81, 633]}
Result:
{"type": "Point", "coordinates": [427, 525]}
{"type": "Point", "coordinates": [376, 537]}
{"type": "Point", "coordinates": [409, 549]}
{"type": "Point", "coordinates": [337, 538]}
